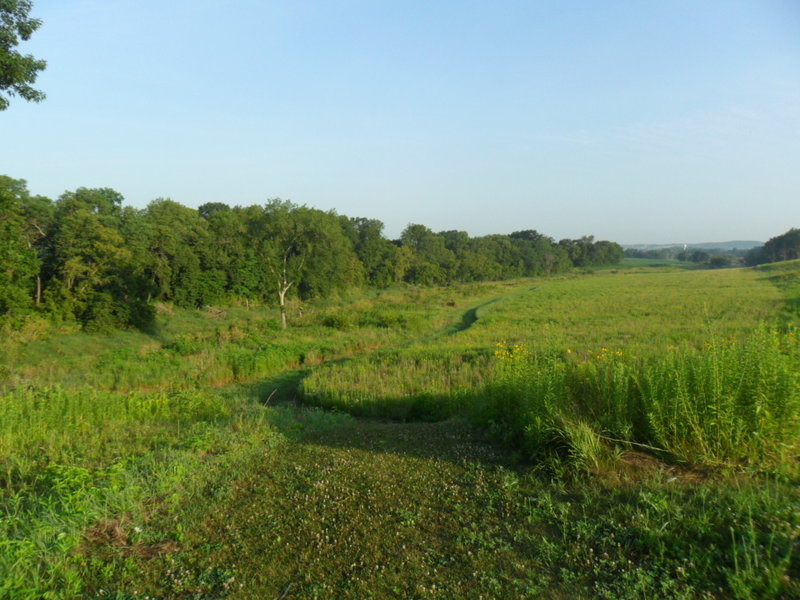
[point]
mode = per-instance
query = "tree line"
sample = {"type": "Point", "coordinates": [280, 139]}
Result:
{"type": "Point", "coordinates": [782, 247]}
{"type": "Point", "coordinates": [779, 248]}
{"type": "Point", "coordinates": [710, 258]}
{"type": "Point", "coordinates": [87, 258]}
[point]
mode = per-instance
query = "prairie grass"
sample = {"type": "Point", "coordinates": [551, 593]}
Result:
{"type": "Point", "coordinates": [101, 429]}
{"type": "Point", "coordinates": [139, 464]}
{"type": "Point", "coordinates": [727, 403]}
{"type": "Point", "coordinates": [217, 346]}
{"type": "Point", "coordinates": [643, 315]}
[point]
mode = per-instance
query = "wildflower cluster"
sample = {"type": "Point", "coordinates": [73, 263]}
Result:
{"type": "Point", "coordinates": [589, 355]}
{"type": "Point", "coordinates": [605, 354]}
{"type": "Point", "coordinates": [510, 352]}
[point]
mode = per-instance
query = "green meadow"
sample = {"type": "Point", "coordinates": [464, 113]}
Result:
{"type": "Point", "coordinates": [622, 433]}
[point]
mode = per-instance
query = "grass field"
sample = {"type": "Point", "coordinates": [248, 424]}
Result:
{"type": "Point", "coordinates": [631, 433]}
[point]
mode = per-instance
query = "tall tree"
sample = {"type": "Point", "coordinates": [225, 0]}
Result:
{"type": "Point", "coordinates": [540, 254]}
{"type": "Point", "coordinates": [178, 243]}
{"type": "Point", "coordinates": [434, 263]}
{"type": "Point", "coordinates": [782, 247]}
{"type": "Point", "coordinates": [231, 250]}
{"type": "Point", "coordinates": [17, 71]}
{"type": "Point", "coordinates": [377, 254]}
{"type": "Point", "coordinates": [87, 254]}
{"type": "Point", "coordinates": [39, 212]}
{"type": "Point", "coordinates": [18, 260]}
{"type": "Point", "coordinates": [93, 269]}
{"type": "Point", "coordinates": [303, 251]}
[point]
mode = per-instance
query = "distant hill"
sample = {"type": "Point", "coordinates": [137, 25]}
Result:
{"type": "Point", "coordinates": [736, 244]}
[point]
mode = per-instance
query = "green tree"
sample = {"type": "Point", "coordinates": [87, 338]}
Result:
{"type": "Point", "coordinates": [604, 252]}
{"type": "Point", "coordinates": [93, 270]}
{"type": "Point", "coordinates": [231, 249]}
{"type": "Point", "coordinates": [782, 247]}
{"type": "Point", "coordinates": [209, 209]}
{"type": "Point", "coordinates": [19, 263]}
{"type": "Point", "coordinates": [377, 254]}
{"type": "Point", "coordinates": [17, 71]}
{"type": "Point", "coordinates": [722, 261]}
{"type": "Point", "coordinates": [39, 213]}
{"type": "Point", "coordinates": [303, 251]}
{"type": "Point", "coordinates": [504, 256]}
{"type": "Point", "coordinates": [87, 256]}
{"type": "Point", "coordinates": [434, 263]}
{"type": "Point", "coordinates": [178, 243]}
{"type": "Point", "coordinates": [540, 255]}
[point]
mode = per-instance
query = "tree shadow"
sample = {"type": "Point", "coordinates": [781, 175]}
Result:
{"type": "Point", "coordinates": [284, 387]}
{"type": "Point", "coordinates": [281, 388]}
{"type": "Point", "coordinates": [454, 440]}
{"type": "Point", "coordinates": [788, 283]}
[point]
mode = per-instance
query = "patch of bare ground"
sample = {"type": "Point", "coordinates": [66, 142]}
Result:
{"type": "Point", "coordinates": [114, 534]}
{"type": "Point", "coordinates": [637, 467]}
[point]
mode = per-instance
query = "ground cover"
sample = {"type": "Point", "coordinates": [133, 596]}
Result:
{"type": "Point", "coordinates": [369, 509]}
{"type": "Point", "coordinates": [96, 426]}
{"type": "Point", "coordinates": [188, 486]}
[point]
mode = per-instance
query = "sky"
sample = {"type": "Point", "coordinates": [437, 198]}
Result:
{"type": "Point", "coordinates": [636, 122]}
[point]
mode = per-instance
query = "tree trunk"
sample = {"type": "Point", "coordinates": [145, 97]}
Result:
{"type": "Point", "coordinates": [282, 302]}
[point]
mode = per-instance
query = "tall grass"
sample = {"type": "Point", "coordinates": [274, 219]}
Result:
{"type": "Point", "coordinates": [97, 427]}
{"type": "Point", "coordinates": [71, 458]}
{"type": "Point", "coordinates": [641, 314]}
{"type": "Point", "coordinates": [726, 403]}
{"type": "Point", "coordinates": [679, 362]}
{"type": "Point", "coordinates": [405, 384]}
{"type": "Point", "coordinates": [217, 347]}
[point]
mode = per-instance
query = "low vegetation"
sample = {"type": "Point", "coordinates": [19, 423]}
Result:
{"type": "Point", "coordinates": [629, 433]}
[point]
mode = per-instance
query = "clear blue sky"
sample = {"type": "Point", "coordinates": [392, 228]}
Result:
{"type": "Point", "coordinates": [668, 121]}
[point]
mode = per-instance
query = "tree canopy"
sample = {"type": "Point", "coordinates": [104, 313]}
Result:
{"type": "Point", "coordinates": [17, 71]}
{"type": "Point", "coordinates": [88, 258]}
{"type": "Point", "coordinates": [782, 247]}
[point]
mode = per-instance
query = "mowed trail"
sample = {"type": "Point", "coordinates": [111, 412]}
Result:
{"type": "Point", "coordinates": [366, 510]}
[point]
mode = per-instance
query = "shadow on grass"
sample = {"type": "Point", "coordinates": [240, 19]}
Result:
{"type": "Point", "coordinates": [454, 440]}
{"type": "Point", "coordinates": [469, 318]}
{"type": "Point", "coordinates": [427, 427]}
{"type": "Point", "coordinates": [788, 282]}
{"type": "Point", "coordinates": [283, 387]}
{"type": "Point", "coordinates": [280, 388]}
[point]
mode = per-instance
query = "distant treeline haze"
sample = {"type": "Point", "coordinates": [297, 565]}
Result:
{"type": "Point", "coordinates": [782, 247]}
{"type": "Point", "coordinates": [88, 258]}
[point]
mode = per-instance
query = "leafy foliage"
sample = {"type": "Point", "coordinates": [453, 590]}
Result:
{"type": "Point", "coordinates": [18, 260]}
{"type": "Point", "coordinates": [88, 258]}
{"type": "Point", "coordinates": [779, 248]}
{"type": "Point", "coordinates": [17, 71]}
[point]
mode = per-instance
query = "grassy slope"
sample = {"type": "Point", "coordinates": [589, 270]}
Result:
{"type": "Point", "coordinates": [324, 506]}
